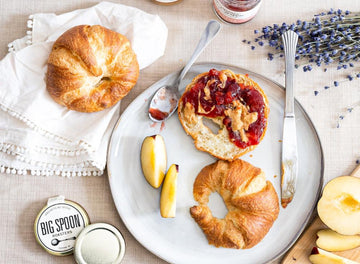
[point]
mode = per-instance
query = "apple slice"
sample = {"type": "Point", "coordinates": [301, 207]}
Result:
{"type": "Point", "coordinates": [331, 241]}
{"type": "Point", "coordinates": [339, 206]}
{"type": "Point", "coordinates": [319, 256]}
{"type": "Point", "coordinates": [153, 159]}
{"type": "Point", "coordinates": [168, 192]}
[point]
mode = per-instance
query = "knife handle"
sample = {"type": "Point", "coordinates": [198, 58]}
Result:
{"type": "Point", "coordinates": [290, 39]}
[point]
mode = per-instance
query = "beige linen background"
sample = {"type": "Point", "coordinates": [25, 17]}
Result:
{"type": "Point", "coordinates": [21, 197]}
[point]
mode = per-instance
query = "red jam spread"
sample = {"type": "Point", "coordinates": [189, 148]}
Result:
{"type": "Point", "coordinates": [157, 114]}
{"type": "Point", "coordinates": [221, 98]}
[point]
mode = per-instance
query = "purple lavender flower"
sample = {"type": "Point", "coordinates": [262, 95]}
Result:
{"type": "Point", "coordinates": [332, 37]}
{"type": "Point", "coordinates": [322, 39]}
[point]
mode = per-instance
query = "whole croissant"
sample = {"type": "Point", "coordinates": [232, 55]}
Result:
{"type": "Point", "coordinates": [252, 204]}
{"type": "Point", "coordinates": [91, 68]}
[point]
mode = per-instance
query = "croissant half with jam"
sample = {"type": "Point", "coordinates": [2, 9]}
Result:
{"type": "Point", "coordinates": [234, 102]}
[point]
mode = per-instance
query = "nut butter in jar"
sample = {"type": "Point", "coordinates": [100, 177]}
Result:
{"type": "Point", "coordinates": [236, 11]}
{"type": "Point", "coordinates": [58, 224]}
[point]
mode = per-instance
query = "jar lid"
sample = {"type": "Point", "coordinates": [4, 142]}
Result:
{"type": "Point", "coordinates": [166, 2]}
{"type": "Point", "coordinates": [58, 224]}
{"type": "Point", "coordinates": [99, 243]}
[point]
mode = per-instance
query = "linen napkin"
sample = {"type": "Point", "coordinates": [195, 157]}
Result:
{"type": "Point", "coordinates": [41, 136]}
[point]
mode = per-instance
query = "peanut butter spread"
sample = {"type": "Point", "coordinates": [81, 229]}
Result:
{"type": "Point", "coordinates": [239, 114]}
{"type": "Point", "coordinates": [233, 102]}
{"type": "Point", "coordinates": [241, 119]}
{"type": "Point", "coordinates": [189, 113]}
{"type": "Point", "coordinates": [222, 77]}
{"type": "Point", "coordinates": [207, 92]}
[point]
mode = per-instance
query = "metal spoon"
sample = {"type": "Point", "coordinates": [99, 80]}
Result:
{"type": "Point", "coordinates": [56, 241]}
{"type": "Point", "coordinates": [165, 100]}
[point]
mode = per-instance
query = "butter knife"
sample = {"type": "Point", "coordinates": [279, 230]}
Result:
{"type": "Point", "coordinates": [289, 155]}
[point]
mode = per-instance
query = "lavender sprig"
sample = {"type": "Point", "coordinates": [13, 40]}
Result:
{"type": "Point", "coordinates": [347, 111]}
{"type": "Point", "coordinates": [331, 37]}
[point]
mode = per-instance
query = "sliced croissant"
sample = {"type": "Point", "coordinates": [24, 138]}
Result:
{"type": "Point", "coordinates": [221, 144]}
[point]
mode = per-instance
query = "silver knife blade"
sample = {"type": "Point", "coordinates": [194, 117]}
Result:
{"type": "Point", "coordinates": [289, 161]}
{"type": "Point", "coordinates": [289, 154]}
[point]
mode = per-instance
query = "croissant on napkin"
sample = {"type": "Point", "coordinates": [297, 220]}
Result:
{"type": "Point", "coordinates": [91, 68]}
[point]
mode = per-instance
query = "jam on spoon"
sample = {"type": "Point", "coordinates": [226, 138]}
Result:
{"type": "Point", "coordinates": [164, 101]}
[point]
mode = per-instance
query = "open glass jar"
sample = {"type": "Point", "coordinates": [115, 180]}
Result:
{"type": "Point", "coordinates": [236, 11]}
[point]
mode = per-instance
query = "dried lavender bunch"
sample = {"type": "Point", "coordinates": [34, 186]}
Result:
{"type": "Point", "coordinates": [331, 37]}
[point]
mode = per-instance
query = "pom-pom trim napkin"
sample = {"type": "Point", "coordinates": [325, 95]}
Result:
{"type": "Point", "coordinates": [36, 134]}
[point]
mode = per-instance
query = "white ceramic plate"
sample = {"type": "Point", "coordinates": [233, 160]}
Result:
{"type": "Point", "coordinates": [180, 240]}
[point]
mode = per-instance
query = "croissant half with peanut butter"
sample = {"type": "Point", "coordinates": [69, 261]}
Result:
{"type": "Point", "coordinates": [252, 204]}
{"type": "Point", "coordinates": [234, 102]}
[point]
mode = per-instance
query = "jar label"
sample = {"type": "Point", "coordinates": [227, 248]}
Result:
{"type": "Point", "coordinates": [58, 225]}
{"type": "Point", "coordinates": [235, 16]}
